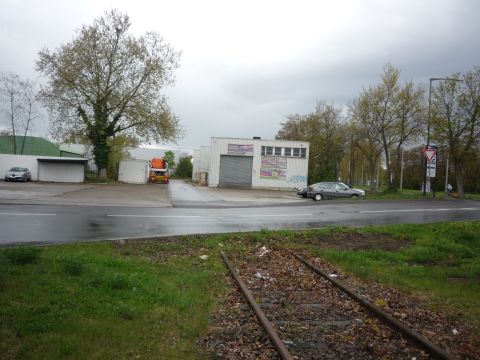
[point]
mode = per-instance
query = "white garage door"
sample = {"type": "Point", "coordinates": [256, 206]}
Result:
{"type": "Point", "coordinates": [61, 172]}
{"type": "Point", "coordinates": [236, 170]}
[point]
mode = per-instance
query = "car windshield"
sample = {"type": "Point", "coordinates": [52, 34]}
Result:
{"type": "Point", "coordinates": [17, 169]}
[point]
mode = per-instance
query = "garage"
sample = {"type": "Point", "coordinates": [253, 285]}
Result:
{"type": "Point", "coordinates": [255, 163]}
{"type": "Point", "coordinates": [61, 169]}
{"type": "Point", "coordinates": [236, 170]}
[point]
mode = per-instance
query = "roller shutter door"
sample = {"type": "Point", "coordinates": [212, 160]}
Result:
{"type": "Point", "coordinates": [236, 170]}
{"type": "Point", "coordinates": [61, 172]}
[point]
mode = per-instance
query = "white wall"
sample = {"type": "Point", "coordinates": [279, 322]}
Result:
{"type": "Point", "coordinates": [133, 171]}
{"type": "Point", "coordinates": [297, 168]}
{"type": "Point", "coordinates": [8, 161]}
{"type": "Point", "coordinates": [201, 162]}
{"type": "Point", "coordinates": [61, 172]}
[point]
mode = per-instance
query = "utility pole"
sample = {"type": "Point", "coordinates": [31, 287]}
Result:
{"type": "Point", "coordinates": [401, 171]}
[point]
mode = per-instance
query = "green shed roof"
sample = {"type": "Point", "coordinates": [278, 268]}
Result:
{"type": "Point", "coordinates": [33, 146]}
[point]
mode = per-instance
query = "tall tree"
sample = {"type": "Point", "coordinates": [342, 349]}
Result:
{"type": "Point", "coordinates": [184, 167]}
{"type": "Point", "coordinates": [411, 119]}
{"type": "Point", "coordinates": [106, 81]}
{"type": "Point", "coordinates": [323, 128]}
{"type": "Point", "coordinates": [368, 141]}
{"type": "Point", "coordinates": [169, 157]}
{"type": "Point", "coordinates": [390, 114]}
{"type": "Point", "coordinates": [456, 119]}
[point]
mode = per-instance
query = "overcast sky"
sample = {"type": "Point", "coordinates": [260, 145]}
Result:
{"type": "Point", "coordinates": [246, 65]}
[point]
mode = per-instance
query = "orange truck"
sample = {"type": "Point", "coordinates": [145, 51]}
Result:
{"type": "Point", "coordinates": [158, 171]}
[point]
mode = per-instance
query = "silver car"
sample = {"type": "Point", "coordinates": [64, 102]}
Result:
{"type": "Point", "coordinates": [18, 174]}
{"type": "Point", "coordinates": [328, 190]}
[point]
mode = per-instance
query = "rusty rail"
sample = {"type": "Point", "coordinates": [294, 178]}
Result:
{"type": "Point", "coordinates": [267, 325]}
{"type": "Point", "coordinates": [426, 344]}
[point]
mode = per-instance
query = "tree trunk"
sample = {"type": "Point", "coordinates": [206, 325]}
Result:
{"type": "Point", "coordinates": [101, 152]}
{"type": "Point", "coordinates": [391, 184]}
{"type": "Point", "coordinates": [372, 172]}
{"type": "Point", "coordinates": [458, 176]}
{"type": "Point", "coordinates": [102, 173]}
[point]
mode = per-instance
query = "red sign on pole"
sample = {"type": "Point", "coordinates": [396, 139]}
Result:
{"type": "Point", "coordinates": [429, 154]}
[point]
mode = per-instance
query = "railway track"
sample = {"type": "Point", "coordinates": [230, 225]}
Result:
{"type": "Point", "coordinates": [309, 315]}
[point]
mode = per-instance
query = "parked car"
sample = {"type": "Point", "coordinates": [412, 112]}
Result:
{"type": "Point", "coordinates": [303, 192]}
{"type": "Point", "coordinates": [329, 190]}
{"type": "Point", "coordinates": [18, 174]}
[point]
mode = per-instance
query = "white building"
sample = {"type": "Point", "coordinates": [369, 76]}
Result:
{"type": "Point", "coordinates": [256, 163]}
{"type": "Point", "coordinates": [201, 164]}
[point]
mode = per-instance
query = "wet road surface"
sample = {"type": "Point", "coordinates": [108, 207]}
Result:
{"type": "Point", "coordinates": [58, 224]}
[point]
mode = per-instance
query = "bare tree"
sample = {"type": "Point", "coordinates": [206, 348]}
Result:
{"type": "Point", "coordinates": [18, 106]}
{"type": "Point", "coordinates": [106, 81]}
{"type": "Point", "coordinates": [11, 103]}
{"type": "Point", "coordinates": [30, 109]}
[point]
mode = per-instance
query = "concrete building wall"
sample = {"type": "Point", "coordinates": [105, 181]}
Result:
{"type": "Point", "coordinates": [201, 162]}
{"type": "Point", "coordinates": [268, 171]}
{"type": "Point", "coordinates": [57, 172]}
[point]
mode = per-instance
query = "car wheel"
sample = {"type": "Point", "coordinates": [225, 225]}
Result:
{"type": "Point", "coordinates": [317, 197]}
{"type": "Point", "coordinates": [25, 178]}
{"type": "Point", "coordinates": [354, 196]}
{"type": "Point", "coordinates": [304, 195]}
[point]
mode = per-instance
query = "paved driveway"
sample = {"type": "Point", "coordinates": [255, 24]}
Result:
{"type": "Point", "coordinates": [147, 195]}
{"type": "Point", "coordinates": [187, 195]}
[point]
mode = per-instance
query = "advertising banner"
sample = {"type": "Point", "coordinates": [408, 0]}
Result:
{"type": "Point", "coordinates": [273, 168]}
{"type": "Point", "coordinates": [237, 149]}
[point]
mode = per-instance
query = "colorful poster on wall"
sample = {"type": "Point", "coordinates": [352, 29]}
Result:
{"type": "Point", "coordinates": [237, 149]}
{"type": "Point", "coordinates": [273, 168]}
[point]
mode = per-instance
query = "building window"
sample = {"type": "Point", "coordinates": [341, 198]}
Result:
{"type": "Point", "coordinates": [288, 151]}
{"type": "Point", "coordinates": [303, 152]}
{"type": "Point", "coordinates": [269, 150]}
{"type": "Point", "coordinates": [296, 152]}
{"type": "Point", "coordinates": [278, 151]}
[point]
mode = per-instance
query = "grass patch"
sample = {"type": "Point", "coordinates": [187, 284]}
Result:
{"type": "Point", "coordinates": [406, 194]}
{"type": "Point", "coordinates": [23, 255]}
{"type": "Point", "coordinates": [442, 264]}
{"type": "Point", "coordinates": [154, 298]}
{"type": "Point", "coordinates": [86, 301]}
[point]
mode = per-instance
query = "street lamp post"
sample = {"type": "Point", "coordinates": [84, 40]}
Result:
{"type": "Point", "coordinates": [428, 128]}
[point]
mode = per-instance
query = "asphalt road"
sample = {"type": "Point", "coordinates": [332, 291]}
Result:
{"type": "Point", "coordinates": [58, 224]}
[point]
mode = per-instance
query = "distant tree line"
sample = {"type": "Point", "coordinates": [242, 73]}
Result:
{"type": "Point", "coordinates": [365, 143]}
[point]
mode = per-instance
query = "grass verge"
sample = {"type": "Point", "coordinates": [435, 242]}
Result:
{"type": "Point", "coordinates": [153, 298]}
{"type": "Point", "coordinates": [96, 301]}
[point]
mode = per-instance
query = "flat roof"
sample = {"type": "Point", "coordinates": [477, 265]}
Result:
{"type": "Point", "coordinates": [251, 139]}
{"type": "Point", "coordinates": [63, 160]}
